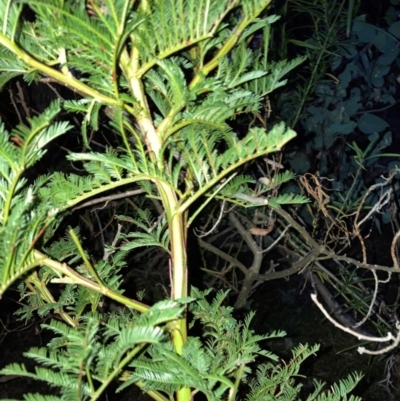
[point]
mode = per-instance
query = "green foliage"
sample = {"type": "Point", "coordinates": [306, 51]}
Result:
{"type": "Point", "coordinates": [96, 350]}
{"type": "Point", "coordinates": [80, 361]}
{"type": "Point", "coordinates": [150, 237]}
{"type": "Point", "coordinates": [171, 77]}
{"type": "Point", "coordinates": [316, 30]}
{"type": "Point", "coordinates": [349, 106]}
{"type": "Point", "coordinates": [190, 115]}
{"type": "Point", "coordinates": [22, 217]}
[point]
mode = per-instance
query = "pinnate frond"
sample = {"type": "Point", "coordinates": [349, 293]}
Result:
{"type": "Point", "coordinates": [153, 233]}
{"type": "Point", "coordinates": [10, 66]}
{"type": "Point", "coordinates": [92, 348]}
{"type": "Point", "coordinates": [9, 17]}
{"type": "Point", "coordinates": [190, 23]}
{"type": "Point", "coordinates": [22, 216]}
{"type": "Point", "coordinates": [42, 397]}
{"type": "Point", "coordinates": [106, 171]}
{"type": "Point", "coordinates": [288, 199]}
{"type": "Point", "coordinates": [237, 68]}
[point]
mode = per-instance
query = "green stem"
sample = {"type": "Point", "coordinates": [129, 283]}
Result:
{"type": "Point", "coordinates": [69, 81]}
{"type": "Point", "coordinates": [113, 185]}
{"type": "Point", "coordinates": [177, 230]}
{"type": "Point", "coordinates": [152, 393]}
{"type": "Point", "coordinates": [117, 371]}
{"type": "Point", "coordinates": [11, 194]}
{"type": "Point", "coordinates": [228, 45]}
{"type": "Point", "coordinates": [86, 261]}
{"type": "Point", "coordinates": [46, 296]}
{"type": "Point", "coordinates": [233, 391]}
{"type": "Point", "coordinates": [210, 198]}
{"type": "Point", "coordinates": [178, 235]}
{"type": "Point", "coordinates": [70, 276]}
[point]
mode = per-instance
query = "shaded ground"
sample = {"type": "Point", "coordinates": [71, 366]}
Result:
{"type": "Point", "coordinates": [278, 307]}
{"type": "Point", "coordinates": [16, 339]}
{"type": "Point", "coordinates": [281, 307]}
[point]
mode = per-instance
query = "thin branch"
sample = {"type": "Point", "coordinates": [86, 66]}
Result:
{"type": "Point", "coordinates": [381, 202]}
{"type": "Point", "coordinates": [273, 245]}
{"type": "Point", "coordinates": [223, 255]}
{"type": "Point", "coordinates": [362, 350]}
{"type": "Point", "coordinates": [393, 251]}
{"type": "Point", "coordinates": [372, 303]}
{"type": "Point", "coordinates": [214, 226]}
{"type": "Point", "coordinates": [111, 250]}
{"type": "Point", "coordinates": [297, 267]}
{"type": "Point", "coordinates": [308, 239]}
{"type": "Point", "coordinates": [245, 234]}
{"type": "Point", "coordinates": [388, 269]}
{"type": "Point", "coordinates": [109, 198]}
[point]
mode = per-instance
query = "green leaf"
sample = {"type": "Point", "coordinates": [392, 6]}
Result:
{"type": "Point", "coordinates": [369, 123]}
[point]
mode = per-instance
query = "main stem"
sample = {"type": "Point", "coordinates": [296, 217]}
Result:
{"type": "Point", "coordinates": [178, 264]}
{"type": "Point", "coordinates": [176, 219]}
